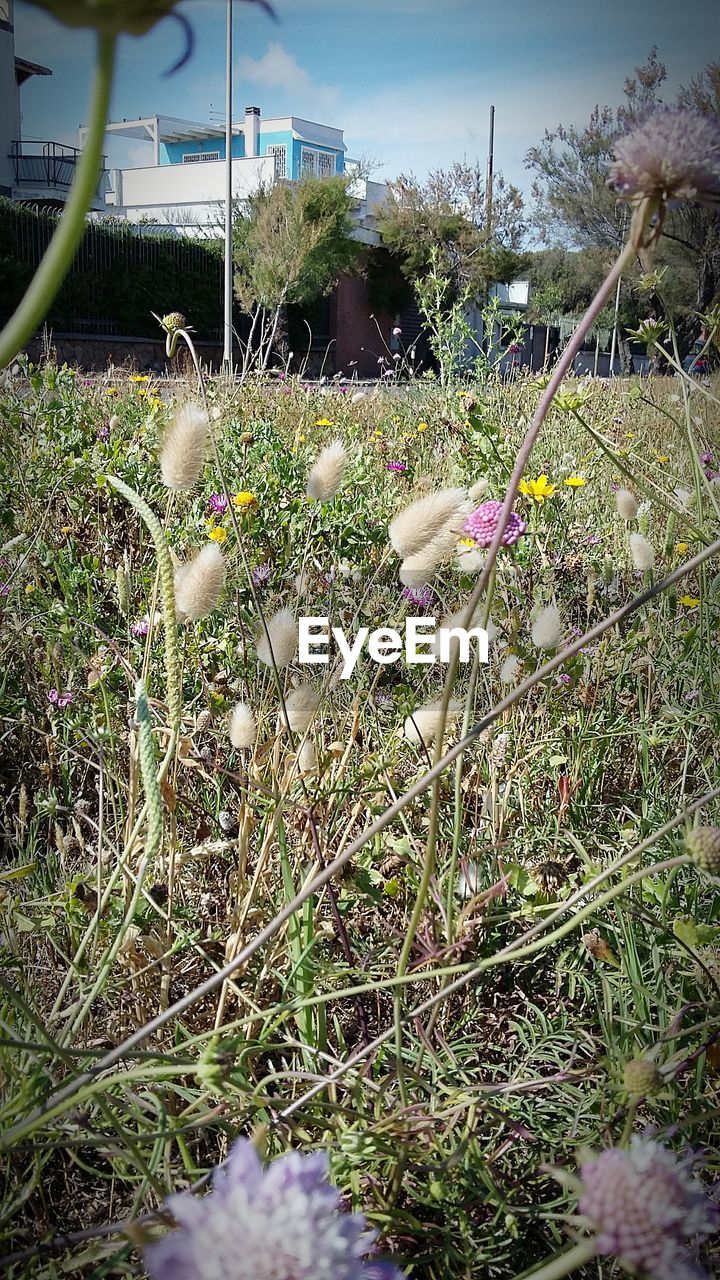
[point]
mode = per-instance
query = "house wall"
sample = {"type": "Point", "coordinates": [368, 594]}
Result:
{"type": "Point", "coordinates": [154, 192]}
{"type": "Point", "coordinates": [173, 152]}
{"type": "Point", "coordinates": [356, 333]}
{"type": "Point", "coordinates": [9, 97]}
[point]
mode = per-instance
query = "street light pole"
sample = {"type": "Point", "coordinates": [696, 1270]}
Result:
{"type": "Point", "coordinates": [228, 311]}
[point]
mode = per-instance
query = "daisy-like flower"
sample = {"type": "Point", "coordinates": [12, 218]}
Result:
{"type": "Point", "coordinates": [261, 574]}
{"type": "Point", "coordinates": [278, 1223]}
{"type": "Point", "coordinates": [245, 500]}
{"type": "Point", "coordinates": [645, 1206]}
{"type": "Point", "coordinates": [575, 482]}
{"type": "Point", "coordinates": [538, 490]}
{"type": "Point", "coordinates": [482, 523]}
{"type": "Point", "coordinates": [689, 602]}
{"type": "Point", "coordinates": [218, 534]}
{"type": "Point", "coordinates": [324, 422]}
{"type": "Point", "coordinates": [674, 155]}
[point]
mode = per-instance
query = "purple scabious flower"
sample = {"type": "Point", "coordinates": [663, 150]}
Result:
{"type": "Point", "coordinates": [673, 155]}
{"type": "Point", "coordinates": [645, 1205]}
{"type": "Point", "coordinates": [706, 459]}
{"type": "Point", "coordinates": [278, 1223]}
{"type": "Point", "coordinates": [396, 466]}
{"type": "Point", "coordinates": [419, 597]}
{"type": "Point", "coordinates": [218, 504]}
{"type": "Point", "coordinates": [482, 523]}
{"type": "Point", "coordinates": [140, 627]}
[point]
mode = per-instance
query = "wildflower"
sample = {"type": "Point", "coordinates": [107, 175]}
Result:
{"type": "Point", "coordinates": [245, 500]}
{"type": "Point", "coordinates": [510, 669]}
{"type": "Point", "coordinates": [682, 548]}
{"type": "Point", "coordinates": [644, 1204]}
{"type": "Point", "coordinates": [423, 725]}
{"type": "Point", "coordinates": [642, 1078]}
{"type": "Point", "coordinates": [182, 455]}
{"type": "Point", "coordinates": [673, 155]}
{"type": "Point", "coordinates": [301, 705]}
{"type": "Point", "coordinates": [173, 322]}
{"type": "Point", "coordinates": [663, 458]}
{"type": "Point", "coordinates": [198, 583]}
{"type": "Point", "coordinates": [266, 1224]}
{"type": "Point", "coordinates": [396, 466]}
{"type": "Point", "coordinates": [423, 426]}
{"type": "Point", "coordinates": [538, 490]}
{"type": "Point", "coordinates": [626, 503]}
{"type": "Point", "coordinates": [261, 574]}
{"type": "Point", "coordinates": [689, 602]}
{"type": "Point", "coordinates": [547, 629]}
{"type": "Point", "coordinates": [482, 523]}
{"type": "Point", "coordinates": [415, 526]}
{"type": "Point", "coordinates": [641, 551]}
{"type": "Point", "coordinates": [103, 431]}
{"type": "Point", "coordinates": [218, 534]}
{"type": "Point", "coordinates": [140, 627]}
{"type": "Point", "coordinates": [139, 377]}
{"type": "Point", "coordinates": [419, 597]}
{"type": "Point", "coordinates": [324, 422]}
{"type": "Point", "coordinates": [60, 700]}
{"type": "Point", "coordinates": [280, 641]}
{"type": "Point", "coordinates": [30, 588]}
{"type": "Point", "coordinates": [111, 391]}
{"type": "Point", "coordinates": [327, 473]}
{"type": "Point", "coordinates": [575, 482]}
{"type": "Point", "coordinates": [242, 729]}
{"type": "Point", "coordinates": [218, 504]}
{"type": "Point", "coordinates": [703, 845]}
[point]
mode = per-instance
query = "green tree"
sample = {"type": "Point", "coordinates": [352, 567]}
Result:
{"type": "Point", "coordinates": [292, 242]}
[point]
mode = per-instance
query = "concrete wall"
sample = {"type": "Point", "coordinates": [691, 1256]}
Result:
{"type": "Point", "coordinates": [96, 354]}
{"type": "Point", "coordinates": [195, 188]}
{"type": "Point", "coordinates": [9, 97]}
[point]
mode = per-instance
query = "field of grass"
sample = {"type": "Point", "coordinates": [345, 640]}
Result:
{"type": "Point", "coordinates": [538, 905]}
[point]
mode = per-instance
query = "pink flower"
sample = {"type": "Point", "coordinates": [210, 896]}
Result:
{"type": "Point", "coordinates": [482, 523]}
{"type": "Point", "coordinates": [396, 466]}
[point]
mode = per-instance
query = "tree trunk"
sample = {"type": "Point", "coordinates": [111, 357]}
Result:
{"type": "Point", "coordinates": [688, 329]}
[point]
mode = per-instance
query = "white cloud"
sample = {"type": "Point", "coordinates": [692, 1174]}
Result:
{"type": "Point", "coordinates": [279, 70]}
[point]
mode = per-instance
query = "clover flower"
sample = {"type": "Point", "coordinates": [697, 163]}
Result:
{"type": "Point", "coordinates": [278, 1223]}
{"type": "Point", "coordinates": [482, 523]}
{"type": "Point", "coordinates": [644, 1205]}
{"type": "Point", "coordinates": [673, 155]}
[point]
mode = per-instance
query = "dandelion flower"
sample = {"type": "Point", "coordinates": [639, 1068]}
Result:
{"type": "Point", "coordinates": [199, 582]}
{"type": "Point", "coordinates": [245, 500]}
{"type": "Point", "coordinates": [641, 551]}
{"type": "Point", "coordinates": [326, 475]}
{"type": "Point", "coordinates": [689, 602]}
{"type": "Point", "coordinates": [645, 1206]}
{"type": "Point", "coordinates": [182, 455]}
{"type": "Point", "coordinates": [673, 155]}
{"type": "Point", "coordinates": [301, 705]}
{"type": "Point", "coordinates": [218, 535]}
{"type": "Point", "coordinates": [243, 727]}
{"type": "Point", "coordinates": [575, 482]}
{"type": "Point", "coordinates": [423, 725]}
{"type": "Point", "coordinates": [281, 640]}
{"type": "Point", "coordinates": [547, 629]}
{"type": "Point", "coordinates": [626, 503]}
{"type": "Point", "coordinates": [266, 1224]}
{"type": "Point", "coordinates": [417, 524]}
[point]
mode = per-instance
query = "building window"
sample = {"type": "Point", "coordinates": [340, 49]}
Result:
{"type": "Point", "coordinates": [279, 151]}
{"type": "Point", "coordinates": [193, 157]}
{"type": "Point", "coordinates": [316, 164]}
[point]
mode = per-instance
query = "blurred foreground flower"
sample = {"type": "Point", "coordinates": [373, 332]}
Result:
{"type": "Point", "coordinates": [673, 155]}
{"type": "Point", "coordinates": [645, 1205]}
{"type": "Point", "coordinates": [278, 1223]}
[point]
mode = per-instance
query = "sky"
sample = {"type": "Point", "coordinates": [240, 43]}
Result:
{"type": "Point", "coordinates": [409, 81]}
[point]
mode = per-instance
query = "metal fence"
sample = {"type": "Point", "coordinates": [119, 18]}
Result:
{"type": "Point", "coordinates": [120, 275]}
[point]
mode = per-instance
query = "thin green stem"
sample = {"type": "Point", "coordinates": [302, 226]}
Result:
{"type": "Point", "coordinates": [62, 249]}
{"type": "Point", "coordinates": [562, 1264]}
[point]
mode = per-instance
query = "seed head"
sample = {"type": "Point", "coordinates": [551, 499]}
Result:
{"type": "Point", "coordinates": [641, 551]}
{"type": "Point", "coordinates": [674, 155]}
{"type": "Point", "coordinates": [642, 1078]}
{"type": "Point", "coordinates": [301, 704]}
{"type": "Point", "coordinates": [418, 524]}
{"type": "Point", "coordinates": [510, 669]}
{"type": "Point", "coordinates": [182, 455]}
{"type": "Point", "coordinates": [417, 570]}
{"type": "Point", "coordinates": [307, 757]}
{"type": "Point", "coordinates": [326, 475]}
{"type": "Point", "coordinates": [547, 629]}
{"type": "Point", "coordinates": [423, 725]}
{"type": "Point", "coordinates": [626, 503]}
{"type": "Point", "coordinates": [199, 582]}
{"type": "Point", "coordinates": [243, 727]}
{"type": "Point", "coordinates": [173, 322]}
{"type": "Point", "coordinates": [703, 845]}
{"type": "Point", "coordinates": [283, 639]}
{"type": "Point", "coordinates": [644, 1205]}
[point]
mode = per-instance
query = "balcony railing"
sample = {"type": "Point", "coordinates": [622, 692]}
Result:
{"type": "Point", "coordinates": [46, 164]}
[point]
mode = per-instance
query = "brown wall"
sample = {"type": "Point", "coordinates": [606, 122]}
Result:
{"type": "Point", "coordinates": [356, 334]}
{"type": "Point", "coordinates": [96, 353]}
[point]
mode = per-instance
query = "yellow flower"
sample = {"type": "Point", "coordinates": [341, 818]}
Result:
{"type": "Point", "coordinates": [538, 490]}
{"type": "Point", "coordinates": [576, 482]}
{"type": "Point", "coordinates": [663, 457]}
{"type": "Point", "coordinates": [245, 500]}
{"type": "Point", "coordinates": [111, 391]}
{"type": "Point", "coordinates": [139, 377]}
{"type": "Point", "coordinates": [682, 548]}
{"type": "Point", "coordinates": [630, 435]}
{"type": "Point", "coordinates": [155, 402]}
{"type": "Point", "coordinates": [377, 435]}
{"type": "Point", "coordinates": [301, 439]}
{"type": "Point", "coordinates": [218, 535]}
{"type": "Point", "coordinates": [67, 528]}
{"type": "Point", "coordinates": [29, 588]}
{"type": "Point", "coordinates": [324, 422]}
{"type": "Point", "coordinates": [689, 602]}
{"type": "Point", "coordinates": [142, 391]}
{"type": "Point", "coordinates": [467, 542]}
{"type": "Point", "coordinates": [423, 426]}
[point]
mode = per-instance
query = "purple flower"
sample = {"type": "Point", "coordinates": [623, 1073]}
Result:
{"type": "Point", "coordinates": [706, 459]}
{"type": "Point", "coordinates": [61, 700]}
{"type": "Point", "coordinates": [278, 1223]}
{"type": "Point", "coordinates": [261, 574]}
{"type": "Point", "coordinates": [419, 597]}
{"type": "Point", "coordinates": [4, 588]}
{"type": "Point", "coordinates": [140, 627]}
{"type": "Point", "coordinates": [645, 1205]}
{"type": "Point", "coordinates": [396, 466]}
{"type": "Point", "coordinates": [218, 504]}
{"type": "Point", "coordinates": [673, 155]}
{"type": "Point", "coordinates": [482, 523]}
{"type": "Point", "coordinates": [53, 696]}
{"type": "Point", "coordinates": [103, 432]}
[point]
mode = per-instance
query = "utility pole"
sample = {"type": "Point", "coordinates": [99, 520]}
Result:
{"type": "Point", "coordinates": [489, 180]}
{"type": "Point", "coordinates": [228, 311]}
